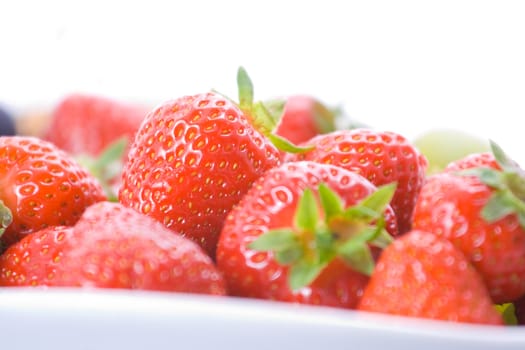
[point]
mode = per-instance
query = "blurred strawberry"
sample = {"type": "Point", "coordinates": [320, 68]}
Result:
{"type": "Point", "coordinates": [33, 260]}
{"type": "Point", "coordinates": [477, 203]}
{"type": "Point", "coordinates": [301, 117]}
{"type": "Point", "coordinates": [87, 124]}
{"type": "Point", "coordinates": [423, 275]}
{"type": "Point", "coordinates": [111, 246]}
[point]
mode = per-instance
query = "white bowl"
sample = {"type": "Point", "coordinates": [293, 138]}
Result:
{"type": "Point", "coordinates": [117, 319]}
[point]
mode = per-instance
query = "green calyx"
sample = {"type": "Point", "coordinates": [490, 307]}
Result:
{"type": "Point", "coordinates": [324, 229]}
{"type": "Point", "coordinates": [508, 186]}
{"type": "Point", "coordinates": [106, 166]}
{"type": "Point", "coordinates": [263, 119]}
{"type": "Point", "coordinates": [6, 218]}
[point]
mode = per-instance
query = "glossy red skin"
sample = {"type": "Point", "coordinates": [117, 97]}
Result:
{"type": "Point", "coordinates": [88, 124]}
{"type": "Point", "coordinates": [33, 260]}
{"type": "Point", "coordinates": [450, 206]}
{"type": "Point", "coordinates": [191, 162]}
{"type": "Point", "coordinates": [302, 117]}
{"type": "Point", "coordinates": [42, 186]}
{"type": "Point", "coordinates": [112, 246]}
{"type": "Point", "coordinates": [424, 275]}
{"type": "Point", "coordinates": [381, 156]}
{"type": "Point", "coordinates": [270, 204]}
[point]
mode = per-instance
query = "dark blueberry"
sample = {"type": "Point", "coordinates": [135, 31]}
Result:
{"type": "Point", "coordinates": [7, 123]}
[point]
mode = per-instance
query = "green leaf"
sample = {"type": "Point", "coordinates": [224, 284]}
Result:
{"type": "Point", "coordinates": [331, 203]}
{"type": "Point", "coordinates": [307, 213]}
{"type": "Point", "coordinates": [303, 273]}
{"type": "Point", "coordinates": [380, 198]}
{"type": "Point", "coordinates": [275, 240]}
{"type": "Point", "coordinates": [358, 256]}
{"type": "Point", "coordinates": [106, 166]}
{"type": "Point", "coordinates": [499, 205]}
{"type": "Point", "coordinates": [289, 256]}
{"type": "Point", "coordinates": [501, 157]}
{"type": "Point", "coordinates": [245, 87]}
{"type": "Point", "coordinates": [324, 241]}
{"type": "Point", "coordinates": [6, 217]}
{"type": "Point", "coordinates": [262, 119]}
{"type": "Point", "coordinates": [361, 213]}
{"type": "Point", "coordinates": [275, 108]}
{"type": "Point", "coordinates": [286, 146]}
{"type": "Point", "coordinates": [382, 240]}
{"type": "Point", "coordinates": [114, 152]}
{"type": "Point", "coordinates": [508, 312]}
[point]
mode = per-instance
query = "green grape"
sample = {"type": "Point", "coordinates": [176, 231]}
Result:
{"type": "Point", "coordinates": [442, 146]}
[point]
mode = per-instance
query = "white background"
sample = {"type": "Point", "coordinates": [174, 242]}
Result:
{"type": "Point", "coordinates": [407, 66]}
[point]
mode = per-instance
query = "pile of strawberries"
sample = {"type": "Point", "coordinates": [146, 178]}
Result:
{"type": "Point", "coordinates": [263, 200]}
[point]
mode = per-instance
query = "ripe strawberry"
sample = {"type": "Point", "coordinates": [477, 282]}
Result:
{"type": "Point", "coordinates": [111, 246]}
{"type": "Point", "coordinates": [192, 160]}
{"type": "Point", "coordinates": [423, 275]}
{"type": "Point", "coordinates": [88, 124]}
{"type": "Point", "coordinates": [381, 156]}
{"type": "Point", "coordinates": [42, 186]}
{"type": "Point", "coordinates": [302, 234]}
{"type": "Point", "coordinates": [480, 210]}
{"type": "Point", "coordinates": [301, 117]}
{"type": "Point", "coordinates": [33, 260]}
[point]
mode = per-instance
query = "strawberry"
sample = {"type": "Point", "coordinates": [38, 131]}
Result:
{"type": "Point", "coordinates": [42, 186]}
{"type": "Point", "coordinates": [301, 117]}
{"type": "Point", "coordinates": [193, 159]}
{"type": "Point", "coordinates": [33, 260]}
{"type": "Point", "coordinates": [381, 156]}
{"type": "Point", "coordinates": [477, 203]}
{"type": "Point", "coordinates": [88, 124]}
{"type": "Point", "coordinates": [303, 233]}
{"type": "Point", "coordinates": [424, 275]}
{"type": "Point", "coordinates": [111, 246]}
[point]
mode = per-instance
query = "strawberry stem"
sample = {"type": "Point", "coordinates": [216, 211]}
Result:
{"type": "Point", "coordinates": [324, 229]}
{"type": "Point", "coordinates": [260, 116]}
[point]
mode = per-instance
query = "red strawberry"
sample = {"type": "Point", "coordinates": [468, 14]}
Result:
{"type": "Point", "coordinates": [192, 160]}
{"type": "Point", "coordinates": [381, 156]}
{"type": "Point", "coordinates": [33, 260]}
{"type": "Point", "coordinates": [481, 211]}
{"type": "Point", "coordinates": [88, 124]}
{"type": "Point", "coordinates": [42, 186]}
{"type": "Point", "coordinates": [423, 275]}
{"type": "Point", "coordinates": [302, 234]}
{"type": "Point", "coordinates": [112, 246]}
{"type": "Point", "coordinates": [301, 117]}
